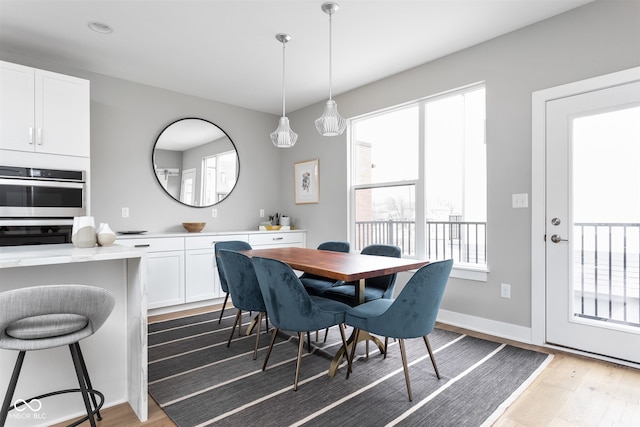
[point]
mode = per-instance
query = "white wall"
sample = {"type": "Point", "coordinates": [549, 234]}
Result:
{"type": "Point", "coordinates": [598, 38]}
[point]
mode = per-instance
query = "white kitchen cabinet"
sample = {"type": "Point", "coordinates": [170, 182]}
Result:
{"type": "Point", "coordinates": [165, 269]}
{"type": "Point", "coordinates": [43, 112]}
{"type": "Point", "coordinates": [182, 270]}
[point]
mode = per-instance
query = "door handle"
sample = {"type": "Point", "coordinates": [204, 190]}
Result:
{"type": "Point", "coordinates": [557, 239]}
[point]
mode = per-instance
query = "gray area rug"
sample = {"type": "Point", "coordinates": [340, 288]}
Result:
{"type": "Point", "coordinates": [198, 381]}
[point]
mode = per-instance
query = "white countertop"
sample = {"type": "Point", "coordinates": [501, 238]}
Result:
{"type": "Point", "coordinates": [24, 256]}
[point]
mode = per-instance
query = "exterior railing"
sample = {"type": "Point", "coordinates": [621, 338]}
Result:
{"type": "Point", "coordinates": [606, 271]}
{"type": "Point", "coordinates": [460, 240]}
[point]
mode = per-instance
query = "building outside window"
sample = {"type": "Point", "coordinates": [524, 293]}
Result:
{"type": "Point", "coordinates": [418, 178]}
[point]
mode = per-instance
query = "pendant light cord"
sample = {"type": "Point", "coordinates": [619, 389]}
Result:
{"type": "Point", "coordinates": [330, 53]}
{"type": "Point", "coordinates": [284, 43]}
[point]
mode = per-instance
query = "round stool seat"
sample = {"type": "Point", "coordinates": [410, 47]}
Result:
{"type": "Point", "coordinates": [46, 326]}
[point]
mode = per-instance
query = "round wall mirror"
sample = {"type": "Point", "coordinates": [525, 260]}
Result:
{"type": "Point", "coordinates": [195, 162]}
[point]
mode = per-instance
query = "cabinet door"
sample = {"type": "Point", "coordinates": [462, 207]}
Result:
{"type": "Point", "coordinates": [202, 280]}
{"type": "Point", "coordinates": [61, 114]}
{"type": "Point", "coordinates": [16, 107]}
{"type": "Point", "coordinates": [165, 278]}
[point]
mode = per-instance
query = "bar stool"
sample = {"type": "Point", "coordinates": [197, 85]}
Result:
{"type": "Point", "coordinates": [42, 317]}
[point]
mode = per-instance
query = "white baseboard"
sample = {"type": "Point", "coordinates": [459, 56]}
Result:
{"type": "Point", "coordinates": [486, 326]}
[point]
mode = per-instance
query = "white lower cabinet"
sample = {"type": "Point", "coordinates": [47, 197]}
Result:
{"type": "Point", "coordinates": [165, 269]}
{"type": "Point", "coordinates": [183, 270]}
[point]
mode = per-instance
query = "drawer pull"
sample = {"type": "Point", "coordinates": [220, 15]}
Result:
{"type": "Point", "coordinates": [278, 238]}
{"type": "Point", "coordinates": [142, 246]}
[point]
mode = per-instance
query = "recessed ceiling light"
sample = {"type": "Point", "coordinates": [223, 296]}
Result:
{"type": "Point", "coordinates": [100, 27]}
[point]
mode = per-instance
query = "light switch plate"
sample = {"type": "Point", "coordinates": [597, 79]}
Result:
{"type": "Point", "coordinates": [520, 200]}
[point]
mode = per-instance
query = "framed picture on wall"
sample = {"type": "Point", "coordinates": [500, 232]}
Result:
{"type": "Point", "coordinates": [306, 183]}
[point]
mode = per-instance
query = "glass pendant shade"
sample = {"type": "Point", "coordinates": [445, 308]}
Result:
{"type": "Point", "coordinates": [283, 136]}
{"type": "Point", "coordinates": [331, 123]}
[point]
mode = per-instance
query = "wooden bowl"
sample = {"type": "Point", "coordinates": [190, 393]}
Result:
{"type": "Point", "coordinates": [193, 227]}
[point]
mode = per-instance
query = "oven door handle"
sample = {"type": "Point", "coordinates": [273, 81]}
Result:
{"type": "Point", "coordinates": [38, 183]}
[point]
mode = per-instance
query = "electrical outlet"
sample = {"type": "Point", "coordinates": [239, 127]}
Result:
{"type": "Point", "coordinates": [214, 213]}
{"type": "Point", "coordinates": [261, 213]}
{"type": "Point", "coordinates": [125, 212]}
{"type": "Point", "coordinates": [505, 290]}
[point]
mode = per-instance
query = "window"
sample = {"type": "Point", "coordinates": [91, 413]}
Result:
{"type": "Point", "coordinates": [219, 177]}
{"type": "Point", "coordinates": [419, 178]}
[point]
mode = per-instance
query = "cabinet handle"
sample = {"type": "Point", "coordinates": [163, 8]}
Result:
{"type": "Point", "coordinates": [39, 136]}
{"type": "Point", "coordinates": [142, 246]}
{"type": "Point", "coordinates": [278, 238]}
{"type": "Point", "coordinates": [30, 135]}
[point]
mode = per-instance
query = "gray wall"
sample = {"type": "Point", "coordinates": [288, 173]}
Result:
{"type": "Point", "coordinates": [126, 119]}
{"type": "Point", "coordinates": [596, 39]}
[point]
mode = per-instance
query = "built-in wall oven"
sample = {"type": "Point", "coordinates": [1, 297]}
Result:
{"type": "Point", "coordinates": [37, 205]}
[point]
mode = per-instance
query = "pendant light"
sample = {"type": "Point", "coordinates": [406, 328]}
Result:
{"type": "Point", "coordinates": [283, 136]}
{"type": "Point", "coordinates": [331, 123]}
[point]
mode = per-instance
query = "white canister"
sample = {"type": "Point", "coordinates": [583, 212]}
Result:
{"type": "Point", "coordinates": [105, 234]}
{"type": "Point", "coordinates": [83, 233]}
{"type": "Point", "coordinates": [285, 220]}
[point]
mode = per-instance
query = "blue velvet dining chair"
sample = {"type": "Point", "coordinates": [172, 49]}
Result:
{"type": "Point", "coordinates": [375, 287]}
{"type": "Point", "coordinates": [292, 309]}
{"type": "Point", "coordinates": [244, 289]}
{"type": "Point", "coordinates": [317, 285]}
{"type": "Point", "coordinates": [411, 315]}
{"type": "Point", "coordinates": [231, 245]}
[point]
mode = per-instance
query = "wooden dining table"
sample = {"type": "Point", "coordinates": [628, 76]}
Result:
{"type": "Point", "coordinates": [347, 266]}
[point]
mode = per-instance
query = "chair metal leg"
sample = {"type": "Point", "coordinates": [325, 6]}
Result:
{"type": "Point", "coordinates": [82, 383]}
{"type": "Point", "coordinates": [273, 339]}
{"type": "Point", "coordinates": [386, 346]}
{"type": "Point", "coordinates": [224, 304]}
{"type": "Point", "coordinates": [255, 350]}
{"type": "Point", "coordinates": [354, 344]}
{"type": "Point", "coordinates": [326, 332]}
{"type": "Point", "coordinates": [346, 348]}
{"type": "Point", "coordinates": [309, 341]}
{"type": "Point", "coordinates": [238, 316]}
{"type": "Point", "coordinates": [88, 381]}
{"type": "Point", "coordinates": [433, 359]}
{"type": "Point", "coordinates": [403, 353]}
{"type": "Point", "coordinates": [300, 346]}
{"type": "Point", "coordinates": [12, 388]}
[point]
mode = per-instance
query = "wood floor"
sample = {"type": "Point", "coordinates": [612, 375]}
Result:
{"type": "Point", "coordinates": [571, 391]}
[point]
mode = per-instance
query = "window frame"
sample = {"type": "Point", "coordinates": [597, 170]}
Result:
{"type": "Point", "coordinates": [468, 271]}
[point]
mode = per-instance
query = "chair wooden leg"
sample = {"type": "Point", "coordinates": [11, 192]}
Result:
{"type": "Point", "coordinates": [255, 350]}
{"type": "Point", "coordinates": [12, 387]}
{"type": "Point", "coordinates": [300, 346]}
{"type": "Point", "coordinates": [82, 383]}
{"type": "Point", "coordinates": [273, 339]}
{"type": "Point", "coordinates": [354, 344]}
{"type": "Point", "coordinates": [403, 353]}
{"type": "Point", "coordinates": [433, 359]}
{"type": "Point", "coordinates": [224, 304]}
{"type": "Point", "coordinates": [238, 316]}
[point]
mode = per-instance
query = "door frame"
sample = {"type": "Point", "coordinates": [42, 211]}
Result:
{"type": "Point", "coordinates": [538, 185]}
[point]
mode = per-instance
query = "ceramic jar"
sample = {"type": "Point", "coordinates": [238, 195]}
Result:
{"type": "Point", "coordinates": [83, 233]}
{"type": "Point", "coordinates": [105, 235]}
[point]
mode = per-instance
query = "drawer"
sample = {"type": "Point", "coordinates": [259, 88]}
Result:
{"type": "Point", "coordinates": [274, 238]}
{"type": "Point", "coordinates": [161, 244]}
{"type": "Point", "coordinates": [207, 242]}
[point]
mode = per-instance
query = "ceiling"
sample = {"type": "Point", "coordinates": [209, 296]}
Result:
{"type": "Point", "coordinates": [227, 51]}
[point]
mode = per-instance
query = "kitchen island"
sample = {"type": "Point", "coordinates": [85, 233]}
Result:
{"type": "Point", "coordinates": [116, 355]}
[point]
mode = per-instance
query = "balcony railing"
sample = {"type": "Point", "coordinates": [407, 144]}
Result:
{"type": "Point", "coordinates": [462, 241]}
{"type": "Point", "coordinates": [606, 272]}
